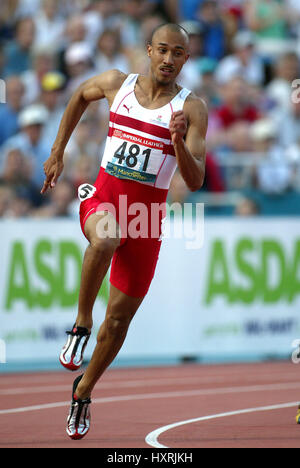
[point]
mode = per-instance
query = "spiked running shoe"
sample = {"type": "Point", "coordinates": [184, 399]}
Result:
{"type": "Point", "coordinates": [298, 416]}
{"type": "Point", "coordinates": [71, 356]}
{"type": "Point", "coordinates": [79, 418]}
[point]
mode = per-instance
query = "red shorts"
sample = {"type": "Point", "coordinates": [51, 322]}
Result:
{"type": "Point", "coordinates": [139, 210]}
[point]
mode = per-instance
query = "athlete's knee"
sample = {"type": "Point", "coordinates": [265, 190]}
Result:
{"type": "Point", "coordinates": [117, 324]}
{"type": "Point", "coordinates": [103, 248]}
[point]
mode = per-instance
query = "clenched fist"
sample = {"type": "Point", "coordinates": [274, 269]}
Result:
{"type": "Point", "coordinates": [178, 126]}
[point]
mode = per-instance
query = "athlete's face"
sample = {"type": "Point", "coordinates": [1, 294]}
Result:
{"type": "Point", "coordinates": [168, 53]}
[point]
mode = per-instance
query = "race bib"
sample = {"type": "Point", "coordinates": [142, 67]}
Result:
{"type": "Point", "coordinates": [86, 191]}
{"type": "Point", "coordinates": [135, 157]}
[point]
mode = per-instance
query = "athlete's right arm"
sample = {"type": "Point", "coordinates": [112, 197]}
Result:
{"type": "Point", "coordinates": [105, 85]}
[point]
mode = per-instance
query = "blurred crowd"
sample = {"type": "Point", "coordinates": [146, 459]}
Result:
{"type": "Point", "coordinates": [244, 62]}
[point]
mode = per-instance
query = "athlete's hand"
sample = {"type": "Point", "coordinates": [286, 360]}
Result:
{"type": "Point", "coordinates": [53, 168]}
{"type": "Point", "coordinates": [178, 126]}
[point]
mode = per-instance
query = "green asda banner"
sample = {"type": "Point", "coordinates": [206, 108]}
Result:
{"type": "Point", "coordinates": [56, 290]}
{"type": "Point", "coordinates": [238, 296]}
{"type": "Point", "coordinates": [256, 261]}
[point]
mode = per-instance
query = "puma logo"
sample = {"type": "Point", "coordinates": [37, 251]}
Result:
{"type": "Point", "coordinates": [127, 108]}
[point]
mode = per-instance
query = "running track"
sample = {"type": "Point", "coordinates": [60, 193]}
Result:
{"type": "Point", "coordinates": [241, 406]}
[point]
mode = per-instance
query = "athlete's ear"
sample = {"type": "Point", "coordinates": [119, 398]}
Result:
{"type": "Point", "coordinates": [187, 57]}
{"type": "Point", "coordinates": [149, 49]}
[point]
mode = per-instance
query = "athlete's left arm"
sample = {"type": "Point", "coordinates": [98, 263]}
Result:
{"type": "Point", "coordinates": [188, 130]}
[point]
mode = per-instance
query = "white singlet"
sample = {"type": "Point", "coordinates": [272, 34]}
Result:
{"type": "Point", "coordinates": [139, 145]}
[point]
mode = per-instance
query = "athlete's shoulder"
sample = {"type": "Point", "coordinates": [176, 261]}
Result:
{"type": "Point", "coordinates": [195, 108]}
{"type": "Point", "coordinates": [112, 79]}
{"type": "Point", "coordinates": [195, 103]}
{"type": "Point", "coordinates": [196, 112]}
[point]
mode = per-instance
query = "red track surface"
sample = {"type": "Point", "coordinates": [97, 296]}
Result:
{"type": "Point", "coordinates": [128, 404]}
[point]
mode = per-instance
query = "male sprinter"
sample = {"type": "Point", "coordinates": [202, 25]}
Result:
{"type": "Point", "coordinates": [155, 126]}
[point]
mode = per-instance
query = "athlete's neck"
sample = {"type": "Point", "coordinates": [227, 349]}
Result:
{"type": "Point", "coordinates": [154, 89]}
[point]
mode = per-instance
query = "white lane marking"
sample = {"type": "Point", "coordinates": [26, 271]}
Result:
{"type": "Point", "coordinates": [152, 438]}
{"type": "Point", "coordinates": [109, 385]}
{"type": "Point", "coordinates": [149, 396]}
{"type": "Point", "coordinates": [133, 384]}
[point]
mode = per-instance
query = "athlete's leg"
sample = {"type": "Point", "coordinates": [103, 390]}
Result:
{"type": "Point", "coordinates": [120, 311]}
{"type": "Point", "coordinates": [96, 262]}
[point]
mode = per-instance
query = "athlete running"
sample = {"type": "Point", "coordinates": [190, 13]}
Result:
{"type": "Point", "coordinates": [155, 126]}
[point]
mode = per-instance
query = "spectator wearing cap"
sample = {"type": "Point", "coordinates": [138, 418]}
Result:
{"type": "Point", "coordinates": [9, 112]}
{"type": "Point", "coordinates": [52, 97]}
{"type": "Point", "coordinates": [242, 62]}
{"type": "Point", "coordinates": [18, 52]}
{"type": "Point", "coordinates": [273, 173]}
{"type": "Point", "coordinates": [80, 66]}
{"type": "Point", "coordinates": [43, 61]}
{"type": "Point", "coordinates": [29, 140]}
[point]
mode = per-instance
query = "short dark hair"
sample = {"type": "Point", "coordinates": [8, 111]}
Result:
{"type": "Point", "coordinates": [174, 27]}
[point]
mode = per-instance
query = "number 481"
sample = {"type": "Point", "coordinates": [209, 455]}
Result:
{"type": "Point", "coordinates": [132, 158]}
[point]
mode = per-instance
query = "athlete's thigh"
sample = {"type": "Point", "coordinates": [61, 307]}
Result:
{"type": "Point", "coordinates": [102, 226]}
{"type": "Point", "coordinates": [133, 266]}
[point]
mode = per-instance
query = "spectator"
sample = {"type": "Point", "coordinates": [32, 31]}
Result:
{"type": "Point", "coordinates": [235, 108]}
{"type": "Point", "coordinates": [247, 207]}
{"type": "Point", "coordinates": [43, 61]}
{"type": "Point", "coordinates": [80, 65]}
{"type": "Point", "coordinates": [132, 12]}
{"type": "Point", "coordinates": [60, 200]}
{"type": "Point", "coordinates": [190, 77]}
{"type": "Point", "coordinates": [82, 170]}
{"type": "Point", "coordinates": [17, 175]}
{"type": "Point", "coordinates": [75, 30]}
{"type": "Point", "coordinates": [9, 112]}
{"type": "Point", "coordinates": [244, 61]}
{"type": "Point", "coordinates": [6, 197]}
{"type": "Point", "coordinates": [207, 87]}
{"type": "Point", "coordinates": [109, 54]}
{"type": "Point", "coordinates": [288, 124]}
{"type": "Point", "coordinates": [82, 142]}
{"type": "Point", "coordinates": [273, 173]}
{"type": "Point", "coordinates": [29, 140]}
{"type": "Point", "coordinates": [18, 51]}
{"type": "Point", "coordinates": [213, 181]}
{"type": "Point", "coordinates": [2, 60]}
{"type": "Point", "coordinates": [49, 25]}
{"type": "Point", "coordinates": [214, 30]}
{"type": "Point", "coordinates": [267, 18]}
{"type": "Point", "coordinates": [279, 89]}
{"type": "Point", "coordinates": [52, 94]}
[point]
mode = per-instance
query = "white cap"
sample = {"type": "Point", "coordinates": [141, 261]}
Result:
{"type": "Point", "coordinates": [263, 129]}
{"type": "Point", "coordinates": [35, 114]}
{"type": "Point", "coordinates": [78, 52]}
{"type": "Point", "coordinates": [243, 39]}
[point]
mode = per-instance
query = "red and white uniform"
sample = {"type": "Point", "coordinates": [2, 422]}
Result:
{"type": "Point", "coordinates": [139, 162]}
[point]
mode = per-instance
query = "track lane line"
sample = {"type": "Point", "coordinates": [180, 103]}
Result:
{"type": "Point", "coordinates": [150, 396]}
{"type": "Point", "coordinates": [152, 438]}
